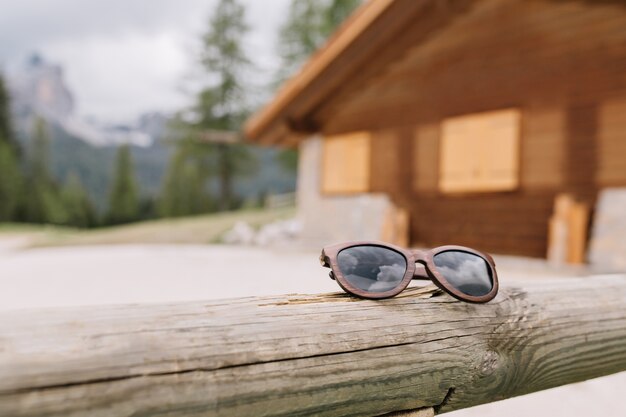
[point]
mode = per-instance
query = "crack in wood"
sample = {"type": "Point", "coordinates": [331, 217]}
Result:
{"type": "Point", "coordinates": [207, 369]}
{"type": "Point", "coordinates": [445, 400]}
{"type": "Point", "coordinates": [321, 358]}
{"type": "Point", "coordinates": [427, 411]}
{"type": "Point", "coordinates": [424, 292]}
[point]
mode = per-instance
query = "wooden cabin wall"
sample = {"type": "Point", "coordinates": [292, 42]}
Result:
{"type": "Point", "coordinates": [611, 151]}
{"type": "Point", "coordinates": [562, 63]}
{"type": "Point", "coordinates": [500, 222]}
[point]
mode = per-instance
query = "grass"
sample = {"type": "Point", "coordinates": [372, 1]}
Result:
{"type": "Point", "coordinates": [202, 229]}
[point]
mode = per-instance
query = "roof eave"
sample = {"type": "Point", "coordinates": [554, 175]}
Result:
{"type": "Point", "coordinates": [271, 118]}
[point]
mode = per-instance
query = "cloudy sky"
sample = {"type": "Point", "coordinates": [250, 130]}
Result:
{"type": "Point", "coordinates": [125, 57]}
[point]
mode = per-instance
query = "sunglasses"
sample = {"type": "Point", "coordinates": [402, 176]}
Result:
{"type": "Point", "coordinates": [379, 270]}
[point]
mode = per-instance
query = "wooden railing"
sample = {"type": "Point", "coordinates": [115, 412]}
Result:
{"type": "Point", "coordinates": [311, 355]}
{"type": "Point", "coordinates": [274, 201]}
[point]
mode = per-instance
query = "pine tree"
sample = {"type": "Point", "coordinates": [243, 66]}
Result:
{"type": "Point", "coordinates": [184, 191]}
{"type": "Point", "coordinates": [309, 24]}
{"type": "Point", "coordinates": [10, 175]}
{"type": "Point", "coordinates": [123, 201]}
{"type": "Point", "coordinates": [301, 34]}
{"type": "Point", "coordinates": [219, 106]}
{"type": "Point", "coordinates": [335, 13]}
{"type": "Point", "coordinates": [10, 182]}
{"type": "Point", "coordinates": [6, 131]}
{"type": "Point", "coordinates": [79, 208]}
{"type": "Point", "coordinates": [222, 105]}
{"type": "Point", "coordinates": [42, 202]}
{"type": "Point", "coordinates": [38, 177]}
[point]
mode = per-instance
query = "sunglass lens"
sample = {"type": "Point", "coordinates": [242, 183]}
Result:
{"type": "Point", "coordinates": [466, 272]}
{"type": "Point", "coordinates": [371, 268]}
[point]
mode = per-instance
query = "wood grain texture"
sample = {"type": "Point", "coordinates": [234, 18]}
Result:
{"type": "Point", "coordinates": [480, 152]}
{"type": "Point", "coordinates": [492, 55]}
{"type": "Point", "coordinates": [311, 355]}
{"type": "Point", "coordinates": [345, 164]}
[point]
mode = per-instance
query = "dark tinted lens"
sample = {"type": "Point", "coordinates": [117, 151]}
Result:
{"type": "Point", "coordinates": [466, 272]}
{"type": "Point", "coordinates": [372, 268]}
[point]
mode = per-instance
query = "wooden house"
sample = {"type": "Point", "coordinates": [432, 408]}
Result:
{"type": "Point", "coordinates": [469, 115]}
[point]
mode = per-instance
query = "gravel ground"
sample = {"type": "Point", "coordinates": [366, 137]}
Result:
{"type": "Point", "coordinates": [96, 275]}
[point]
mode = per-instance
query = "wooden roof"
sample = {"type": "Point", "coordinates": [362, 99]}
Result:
{"type": "Point", "coordinates": [365, 33]}
{"type": "Point", "coordinates": [364, 49]}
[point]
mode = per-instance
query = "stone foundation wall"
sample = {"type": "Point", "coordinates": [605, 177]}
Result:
{"type": "Point", "coordinates": [330, 219]}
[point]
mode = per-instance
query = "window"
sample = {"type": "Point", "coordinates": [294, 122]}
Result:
{"type": "Point", "coordinates": [480, 152]}
{"type": "Point", "coordinates": [346, 163]}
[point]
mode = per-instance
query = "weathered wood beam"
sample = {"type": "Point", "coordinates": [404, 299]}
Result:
{"type": "Point", "coordinates": [219, 136]}
{"type": "Point", "coordinates": [311, 355]}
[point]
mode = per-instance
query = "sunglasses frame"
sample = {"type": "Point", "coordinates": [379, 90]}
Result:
{"type": "Point", "coordinates": [328, 259]}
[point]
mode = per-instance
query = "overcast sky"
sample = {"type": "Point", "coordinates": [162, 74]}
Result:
{"type": "Point", "coordinates": [126, 57]}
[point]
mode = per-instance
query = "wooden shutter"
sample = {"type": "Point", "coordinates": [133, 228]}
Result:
{"type": "Point", "coordinates": [346, 163]}
{"type": "Point", "coordinates": [612, 143]}
{"type": "Point", "coordinates": [480, 152]}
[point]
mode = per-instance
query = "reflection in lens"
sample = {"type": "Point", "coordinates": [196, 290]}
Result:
{"type": "Point", "coordinates": [372, 268]}
{"type": "Point", "coordinates": [466, 272]}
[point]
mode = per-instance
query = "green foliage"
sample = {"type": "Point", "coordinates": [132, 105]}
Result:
{"type": "Point", "coordinates": [123, 201]}
{"type": "Point", "coordinates": [288, 160]}
{"type": "Point", "coordinates": [79, 209]}
{"type": "Point", "coordinates": [222, 105]}
{"type": "Point", "coordinates": [6, 131]}
{"type": "Point", "coordinates": [219, 106]}
{"type": "Point", "coordinates": [232, 160]}
{"type": "Point", "coordinates": [309, 23]}
{"type": "Point", "coordinates": [41, 154]}
{"type": "Point", "coordinates": [184, 191]}
{"type": "Point", "coordinates": [10, 182]}
{"type": "Point", "coordinates": [10, 174]}
{"type": "Point", "coordinates": [41, 203]}
{"type": "Point", "coordinates": [301, 35]}
{"type": "Point", "coordinates": [336, 12]}
{"type": "Point", "coordinates": [43, 200]}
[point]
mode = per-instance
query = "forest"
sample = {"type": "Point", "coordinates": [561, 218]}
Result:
{"type": "Point", "coordinates": [200, 174]}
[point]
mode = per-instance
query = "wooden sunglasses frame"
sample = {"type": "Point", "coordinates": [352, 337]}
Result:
{"type": "Point", "coordinates": [328, 259]}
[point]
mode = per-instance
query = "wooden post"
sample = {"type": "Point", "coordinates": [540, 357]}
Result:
{"type": "Point", "coordinates": [567, 232]}
{"type": "Point", "coordinates": [311, 355]}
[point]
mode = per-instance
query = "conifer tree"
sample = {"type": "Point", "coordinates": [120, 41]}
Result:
{"type": "Point", "coordinates": [80, 211]}
{"type": "Point", "coordinates": [222, 104]}
{"type": "Point", "coordinates": [184, 190]}
{"type": "Point", "coordinates": [335, 13]}
{"type": "Point", "coordinates": [10, 182]}
{"type": "Point", "coordinates": [309, 24]}
{"type": "Point", "coordinates": [219, 106]}
{"type": "Point", "coordinates": [41, 204]}
{"type": "Point", "coordinates": [301, 34]}
{"type": "Point", "coordinates": [10, 174]}
{"type": "Point", "coordinates": [123, 200]}
{"type": "Point", "coordinates": [6, 131]}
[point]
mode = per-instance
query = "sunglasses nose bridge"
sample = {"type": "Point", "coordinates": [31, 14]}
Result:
{"type": "Point", "coordinates": [418, 255]}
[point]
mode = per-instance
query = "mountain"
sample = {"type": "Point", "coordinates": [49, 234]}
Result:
{"type": "Point", "coordinates": [38, 87]}
{"type": "Point", "coordinates": [88, 147]}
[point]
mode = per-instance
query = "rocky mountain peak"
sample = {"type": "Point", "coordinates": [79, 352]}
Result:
{"type": "Point", "coordinates": [38, 88]}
